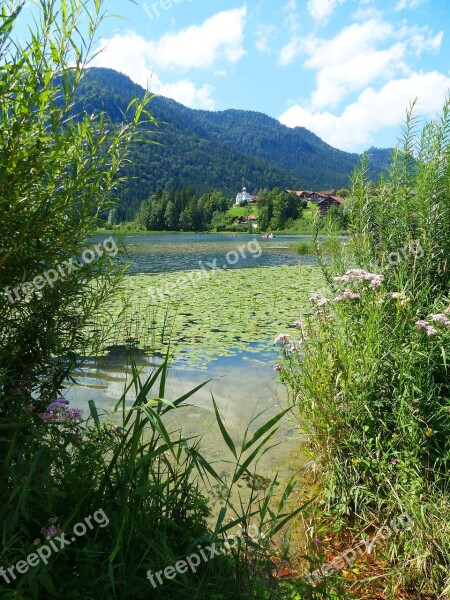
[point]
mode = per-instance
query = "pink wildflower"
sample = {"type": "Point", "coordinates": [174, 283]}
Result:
{"type": "Point", "coordinates": [348, 295]}
{"type": "Point", "coordinates": [318, 300]}
{"type": "Point", "coordinates": [422, 324]}
{"type": "Point", "coordinates": [394, 461]}
{"type": "Point", "coordinates": [440, 318]}
{"type": "Point", "coordinates": [361, 275]}
{"type": "Point", "coordinates": [376, 281]}
{"type": "Point", "coordinates": [431, 330]}
{"type": "Point", "coordinates": [277, 367]}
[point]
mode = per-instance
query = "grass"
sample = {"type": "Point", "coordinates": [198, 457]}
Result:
{"type": "Point", "coordinates": [242, 211]}
{"type": "Point", "coordinates": [370, 371]}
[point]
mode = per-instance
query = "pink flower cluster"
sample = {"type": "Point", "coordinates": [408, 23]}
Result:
{"type": "Point", "coordinates": [439, 318]}
{"type": "Point", "coordinates": [361, 275]}
{"type": "Point", "coordinates": [318, 300]}
{"type": "Point", "coordinates": [348, 295]}
{"type": "Point", "coordinates": [425, 326]}
{"type": "Point", "coordinates": [58, 411]}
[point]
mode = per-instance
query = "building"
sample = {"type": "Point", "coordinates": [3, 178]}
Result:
{"type": "Point", "coordinates": [326, 203]}
{"type": "Point", "coordinates": [247, 221]}
{"type": "Point", "coordinates": [301, 194]}
{"type": "Point", "coordinates": [243, 197]}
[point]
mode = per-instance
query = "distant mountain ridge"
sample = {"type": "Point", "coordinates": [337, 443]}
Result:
{"type": "Point", "coordinates": [217, 150]}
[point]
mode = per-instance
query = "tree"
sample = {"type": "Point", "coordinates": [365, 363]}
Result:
{"type": "Point", "coordinates": [171, 217]}
{"type": "Point", "coordinates": [113, 217]}
{"type": "Point", "coordinates": [58, 169]}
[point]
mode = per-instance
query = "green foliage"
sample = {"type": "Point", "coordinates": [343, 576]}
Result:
{"type": "Point", "coordinates": [183, 211]}
{"type": "Point", "coordinates": [276, 207]}
{"type": "Point", "coordinates": [151, 486]}
{"type": "Point", "coordinates": [57, 171]}
{"type": "Point", "coordinates": [371, 374]}
{"type": "Point", "coordinates": [216, 150]}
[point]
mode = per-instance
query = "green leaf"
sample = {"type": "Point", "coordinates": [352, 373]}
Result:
{"type": "Point", "coordinates": [94, 413]}
{"type": "Point", "coordinates": [223, 431]}
{"type": "Point", "coordinates": [262, 430]}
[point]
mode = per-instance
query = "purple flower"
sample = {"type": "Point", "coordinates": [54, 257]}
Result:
{"type": "Point", "coordinates": [277, 367]}
{"type": "Point", "coordinates": [422, 324]}
{"type": "Point", "coordinates": [28, 409]}
{"type": "Point", "coordinates": [73, 414]}
{"type": "Point", "coordinates": [50, 531]}
{"type": "Point", "coordinates": [62, 400]}
{"type": "Point", "coordinates": [394, 461]}
{"type": "Point", "coordinates": [48, 416]}
{"type": "Point", "coordinates": [431, 330]}
{"type": "Point", "coordinates": [55, 406]}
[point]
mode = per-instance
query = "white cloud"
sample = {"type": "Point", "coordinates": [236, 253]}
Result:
{"type": "Point", "coordinates": [402, 4]}
{"type": "Point", "coordinates": [264, 33]}
{"type": "Point", "coordinates": [322, 9]}
{"type": "Point", "coordinates": [357, 72]}
{"type": "Point", "coordinates": [290, 51]}
{"type": "Point", "coordinates": [196, 47]}
{"type": "Point", "coordinates": [291, 6]}
{"type": "Point", "coordinates": [184, 91]}
{"type": "Point", "coordinates": [422, 43]}
{"type": "Point", "coordinates": [358, 56]}
{"type": "Point", "coordinates": [373, 110]}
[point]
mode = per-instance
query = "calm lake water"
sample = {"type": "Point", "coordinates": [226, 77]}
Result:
{"type": "Point", "coordinates": [184, 252]}
{"type": "Point", "coordinates": [242, 385]}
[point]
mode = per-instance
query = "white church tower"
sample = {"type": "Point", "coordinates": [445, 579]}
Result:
{"type": "Point", "coordinates": [242, 197]}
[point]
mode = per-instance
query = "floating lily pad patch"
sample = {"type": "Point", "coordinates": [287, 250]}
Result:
{"type": "Point", "coordinates": [216, 315]}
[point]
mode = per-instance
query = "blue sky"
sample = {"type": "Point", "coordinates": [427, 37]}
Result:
{"type": "Point", "coordinates": [345, 69]}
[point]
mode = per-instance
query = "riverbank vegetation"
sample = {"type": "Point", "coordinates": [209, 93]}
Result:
{"type": "Point", "coordinates": [369, 371]}
{"type": "Point", "coordinates": [185, 211]}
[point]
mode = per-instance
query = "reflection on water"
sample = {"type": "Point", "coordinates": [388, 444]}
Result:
{"type": "Point", "coordinates": [242, 386]}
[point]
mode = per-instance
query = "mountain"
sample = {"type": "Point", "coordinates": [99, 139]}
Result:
{"type": "Point", "coordinates": [216, 150]}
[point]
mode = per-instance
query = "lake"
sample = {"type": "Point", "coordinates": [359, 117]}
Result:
{"type": "Point", "coordinates": [217, 302]}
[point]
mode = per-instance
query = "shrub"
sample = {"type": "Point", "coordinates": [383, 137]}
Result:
{"type": "Point", "coordinates": [370, 374]}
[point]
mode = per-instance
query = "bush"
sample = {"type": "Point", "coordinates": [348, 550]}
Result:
{"type": "Point", "coordinates": [370, 374]}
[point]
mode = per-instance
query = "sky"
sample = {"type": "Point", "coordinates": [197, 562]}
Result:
{"type": "Point", "coordinates": [345, 69]}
